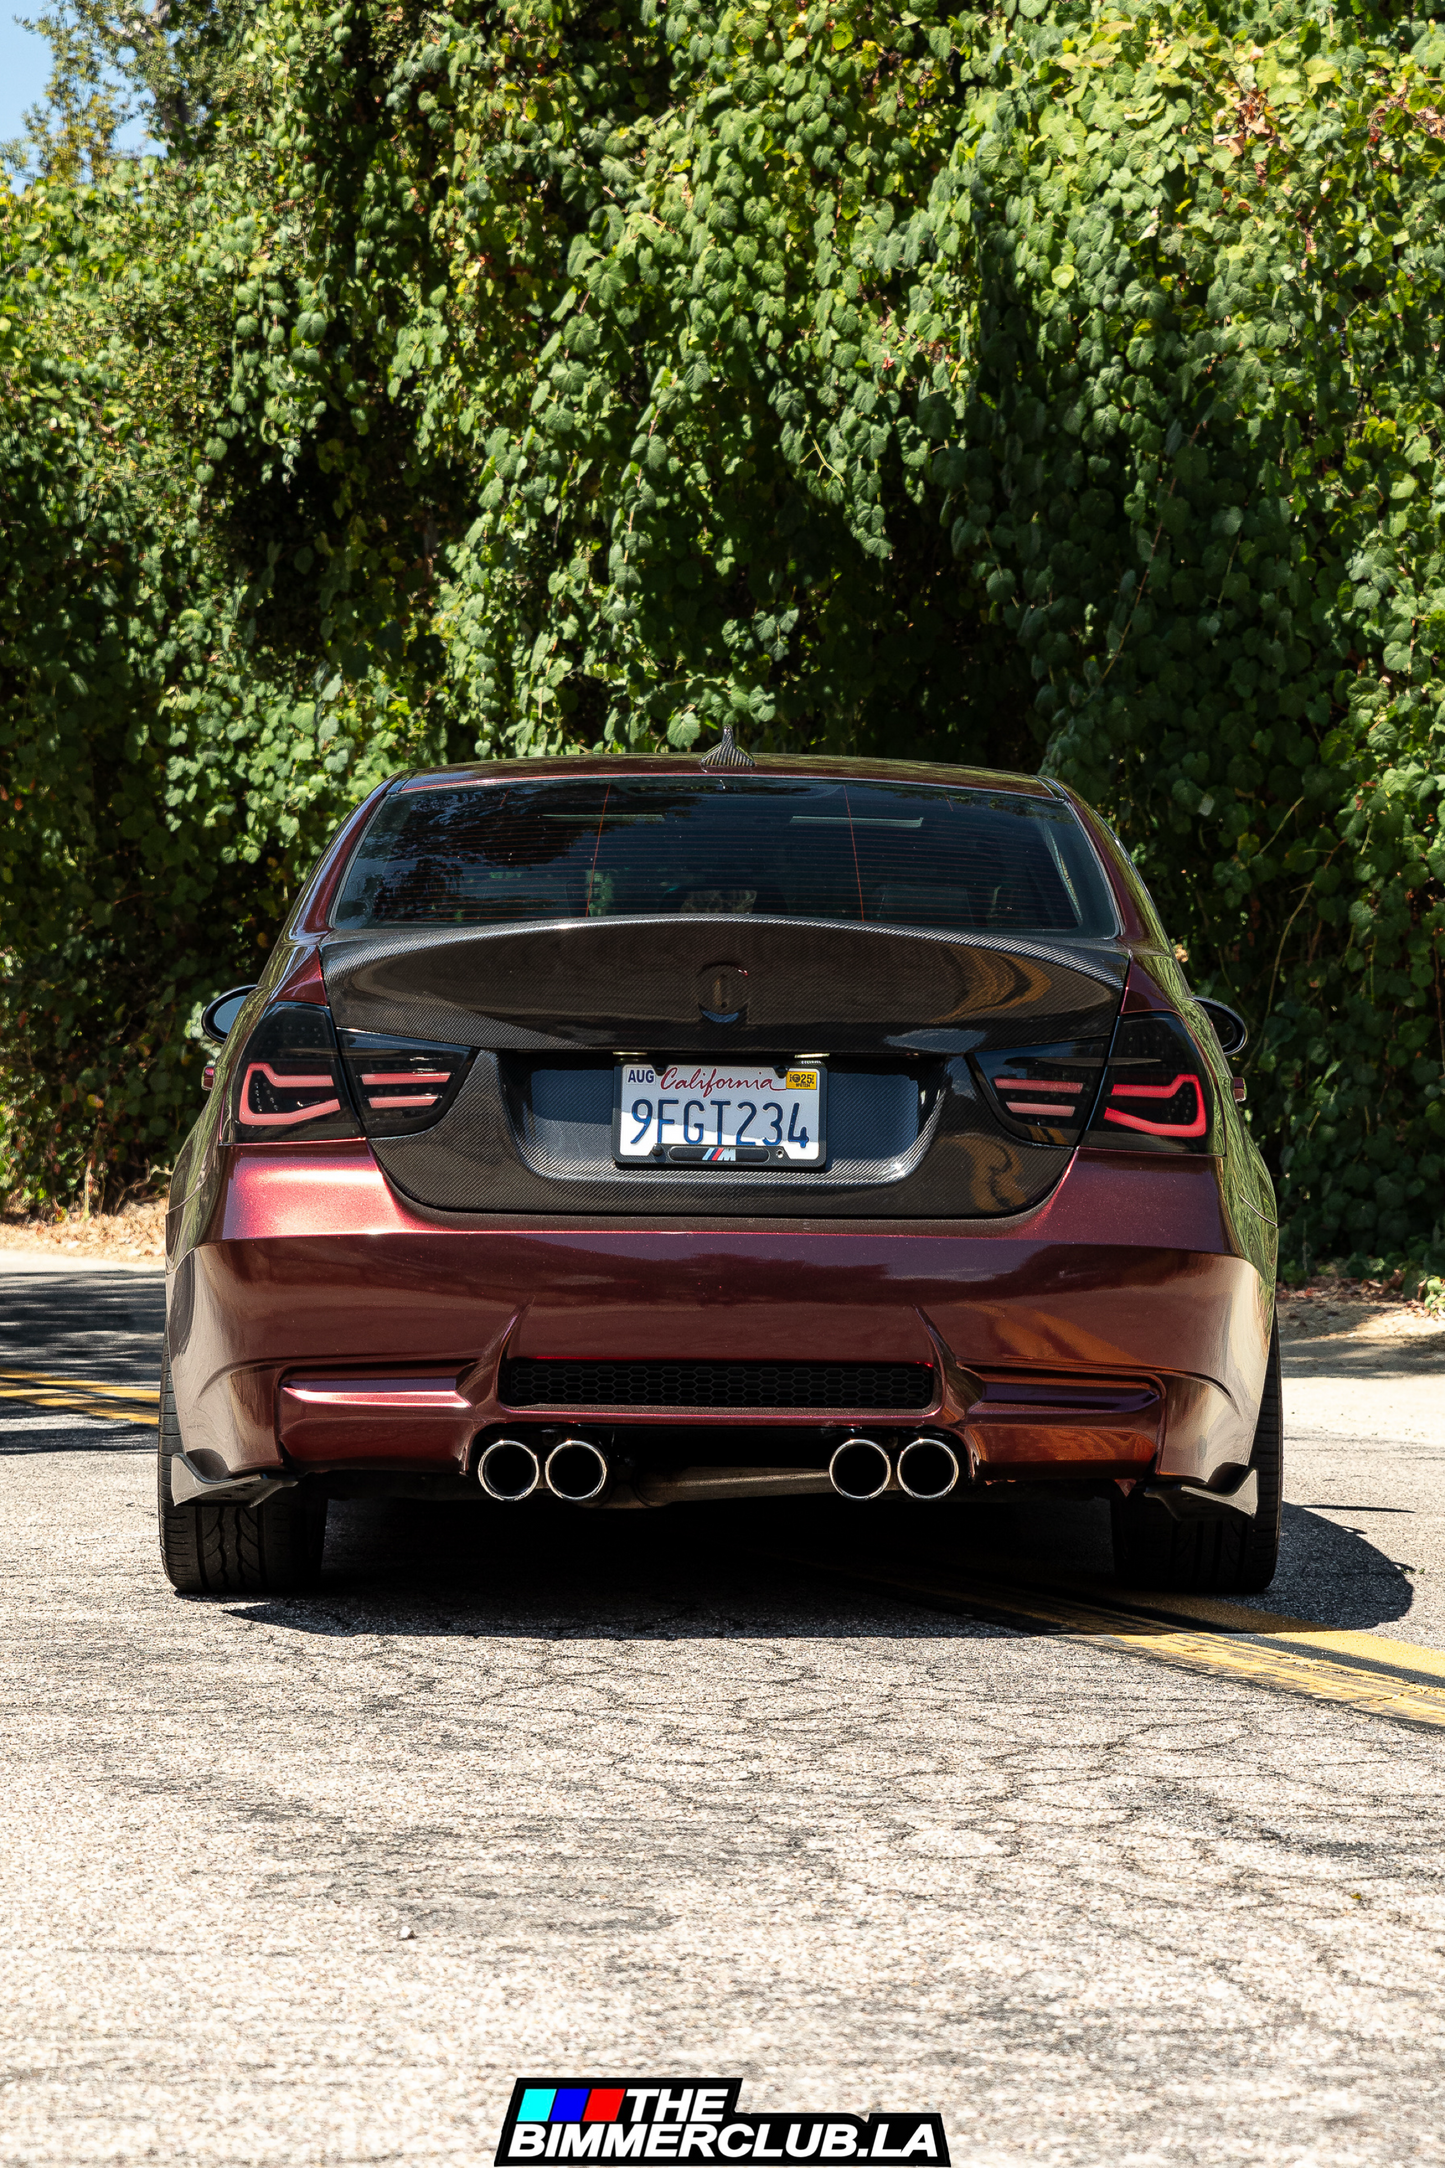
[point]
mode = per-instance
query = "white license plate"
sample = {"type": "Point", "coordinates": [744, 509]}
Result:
{"type": "Point", "coordinates": [719, 1114]}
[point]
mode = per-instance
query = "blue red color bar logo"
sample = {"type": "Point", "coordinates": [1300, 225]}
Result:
{"type": "Point", "coordinates": [697, 2119]}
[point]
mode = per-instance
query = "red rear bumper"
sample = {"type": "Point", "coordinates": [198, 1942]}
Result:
{"type": "Point", "coordinates": [1116, 1328]}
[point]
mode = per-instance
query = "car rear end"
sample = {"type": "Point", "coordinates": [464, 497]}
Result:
{"type": "Point", "coordinates": [624, 1133]}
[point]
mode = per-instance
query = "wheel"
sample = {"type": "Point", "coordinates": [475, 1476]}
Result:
{"type": "Point", "coordinates": [1227, 1557]}
{"type": "Point", "coordinates": [234, 1550]}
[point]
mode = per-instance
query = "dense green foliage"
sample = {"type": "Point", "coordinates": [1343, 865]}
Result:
{"type": "Point", "coordinates": [164, 774]}
{"type": "Point", "coordinates": [1060, 384]}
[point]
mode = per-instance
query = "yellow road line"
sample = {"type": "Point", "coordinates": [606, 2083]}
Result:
{"type": "Point", "coordinates": [1382, 1683]}
{"type": "Point", "coordinates": [84, 1385]}
{"type": "Point", "coordinates": [119, 1403]}
{"type": "Point", "coordinates": [1278, 1628]}
{"type": "Point", "coordinates": [1365, 1671]}
{"type": "Point", "coordinates": [1305, 1637]}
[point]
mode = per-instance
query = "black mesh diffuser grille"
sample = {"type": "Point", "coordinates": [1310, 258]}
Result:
{"type": "Point", "coordinates": [530, 1382]}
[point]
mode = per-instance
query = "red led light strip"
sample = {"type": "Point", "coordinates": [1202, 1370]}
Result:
{"type": "Point", "coordinates": [253, 1119]}
{"type": "Point", "coordinates": [1195, 1128]}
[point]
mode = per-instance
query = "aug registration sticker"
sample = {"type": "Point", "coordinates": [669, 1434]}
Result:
{"type": "Point", "coordinates": [711, 1114]}
{"type": "Point", "coordinates": [696, 2119]}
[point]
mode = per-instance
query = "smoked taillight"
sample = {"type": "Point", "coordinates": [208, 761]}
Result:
{"type": "Point", "coordinates": [287, 1083]}
{"type": "Point", "coordinates": [401, 1085]}
{"type": "Point", "coordinates": [1045, 1092]}
{"type": "Point", "coordinates": [1157, 1094]}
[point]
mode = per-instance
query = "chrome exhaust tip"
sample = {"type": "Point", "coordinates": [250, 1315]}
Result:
{"type": "Point", "coordinates": [928, 1468]}
{"type": "Point", "coordinates": [577, 1470]}
{"type": "Point", "coordinates": [508, 1470]}
{"type": "Point", "coordinates": [860, 1469]}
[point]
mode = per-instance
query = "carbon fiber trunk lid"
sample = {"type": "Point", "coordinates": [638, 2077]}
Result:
{"type": "Point", "coordinates": [896, 1013]}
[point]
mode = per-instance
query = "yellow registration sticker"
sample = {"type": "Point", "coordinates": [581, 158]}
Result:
{"type": "Point", "coordinates": [801, 1080]}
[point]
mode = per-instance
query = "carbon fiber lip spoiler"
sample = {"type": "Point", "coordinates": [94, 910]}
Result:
{"type": "Point", "coordinates": [190, 1487]}
{"type": "Point", "coordinates": [1191, 1502]}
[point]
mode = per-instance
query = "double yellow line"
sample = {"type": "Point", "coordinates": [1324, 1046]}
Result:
{"type": "Point", "coordinates": [1394, 1679]}
{"type": "Point", "coordinates": [122, 1403]}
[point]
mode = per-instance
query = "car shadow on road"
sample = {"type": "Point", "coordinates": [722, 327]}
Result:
{"type": "Point", "coordinates": [1336, 1575]}
{"type": "Point", "coordinates": [62, 1434]}
{"type": "Point", "coordinates": [701, 1572]}
{"type": "Point", "coordinates": [1339, 1356]}
{"type": "Point", "coordinates": [103, 1326]}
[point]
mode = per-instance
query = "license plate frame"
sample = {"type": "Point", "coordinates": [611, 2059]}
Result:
{"type": "Point", "coordinates": [710, 1096]}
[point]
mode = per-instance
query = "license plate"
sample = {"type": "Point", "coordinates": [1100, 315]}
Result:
{"type": "Point", "coordinates": [716, 1114]}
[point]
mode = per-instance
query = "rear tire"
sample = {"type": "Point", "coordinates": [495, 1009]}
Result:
{"type": "Point", "coordinates": [1227, 1557]}
{"type": "Point", "coordinates": [222, 1550]}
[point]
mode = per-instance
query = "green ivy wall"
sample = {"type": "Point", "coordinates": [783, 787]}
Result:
{"type": "Point", "coordinates": [1054, 386]}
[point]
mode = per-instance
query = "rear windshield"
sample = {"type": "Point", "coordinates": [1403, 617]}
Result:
{"type": "Point", "coordinates": [897, 854]}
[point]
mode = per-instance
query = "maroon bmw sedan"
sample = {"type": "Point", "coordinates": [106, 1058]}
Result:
{"type": "Point", "coordinates": [626, 1132]}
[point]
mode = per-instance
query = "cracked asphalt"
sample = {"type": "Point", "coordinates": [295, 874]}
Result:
{"type": "Point", "coordinates": [569, 1795]}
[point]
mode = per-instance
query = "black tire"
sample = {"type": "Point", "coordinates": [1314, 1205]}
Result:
{"type": "Point", "coordinates": [272, 1549]}
{"type": "Point", "coordinates": [1227, 1557]}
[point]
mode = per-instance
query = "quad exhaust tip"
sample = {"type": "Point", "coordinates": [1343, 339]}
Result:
{"type": "Point", "coordinates": [509, 1471]}
{"type": "Point", "coordinates": [927, 1468]}
{"type": "Point", "coordinates": [577, 1470]}
{"type": "Point", "coordinates": [860, 1469]}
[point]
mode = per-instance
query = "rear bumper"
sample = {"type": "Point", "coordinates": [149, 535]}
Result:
{"type": "Point", "coordinates": [321, 1325]}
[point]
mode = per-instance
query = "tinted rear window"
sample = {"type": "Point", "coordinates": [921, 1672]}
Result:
{"type": "Point", "coordinates": [773, 846]}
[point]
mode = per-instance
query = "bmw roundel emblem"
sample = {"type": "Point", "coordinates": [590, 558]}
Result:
{"type": "Point", "coordinates": [722, 993]}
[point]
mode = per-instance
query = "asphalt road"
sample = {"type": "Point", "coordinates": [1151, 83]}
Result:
{"type": "Point", "coordinates": [310, 1882]}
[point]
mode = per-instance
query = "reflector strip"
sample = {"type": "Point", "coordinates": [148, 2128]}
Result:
{"type": "Point", "coordinates": [411, 1099]}
{"type": "Point", "coordinates": [1007, 1086]}
{"type": "Point", "coordinates": [250, 1116]}
{"type": "Point", "coordinates": [1195, 1128]}
{"type": "Point", "coordinates": [409, 1076]}
{"type": "Point", "coordinates": [426, 1392]}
